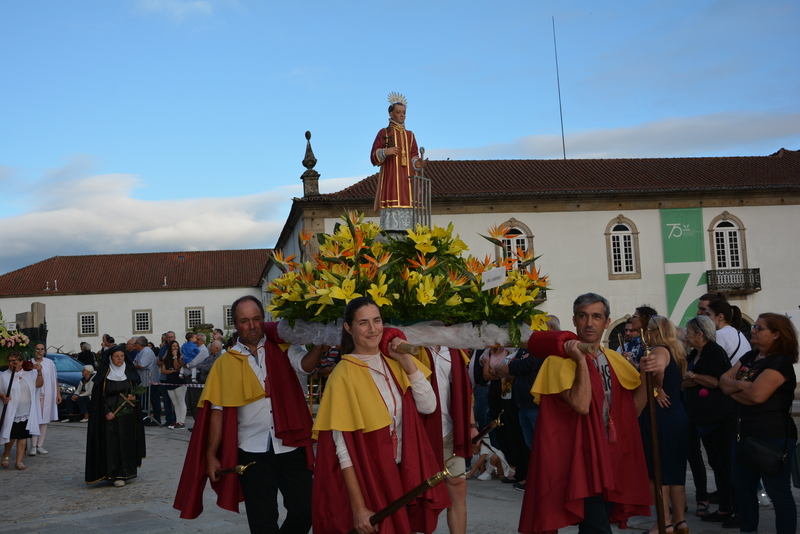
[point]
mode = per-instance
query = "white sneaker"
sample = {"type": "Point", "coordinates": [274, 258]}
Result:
{"type": "Point", "coordinates": [119, 483]}
{"type": "Point", "coordinates": [486, 475]}
{"type": "Point", "coordinates": [41, 450]}
{"type": "Point", "coordinates": [32, 451]}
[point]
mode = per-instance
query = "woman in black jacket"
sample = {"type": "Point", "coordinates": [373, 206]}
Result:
{"type": "Point", "coordinates": [710, 410]}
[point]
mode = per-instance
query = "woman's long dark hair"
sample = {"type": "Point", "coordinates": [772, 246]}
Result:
{"type": "Point", "coordinates": [732, 314]}
{"type": "Point", "coordinates": [169, 360]}
{"type": "Point", "coordinates": [347, 345]}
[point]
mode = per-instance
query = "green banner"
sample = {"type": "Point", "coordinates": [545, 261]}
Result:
{"type": "Point", "coordinates": [683, 235]}
{"type": "Point", "coordinates": [683, 238]}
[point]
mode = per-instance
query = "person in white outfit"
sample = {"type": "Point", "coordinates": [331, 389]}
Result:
{"type": "Point", "coordinates": [20, 407]}
{"type": "Point", "coordinates": [728, 320]}
{"type": "Point", "coordinates": [49, 398]}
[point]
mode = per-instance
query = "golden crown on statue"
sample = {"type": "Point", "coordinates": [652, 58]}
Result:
{"type": "Point", "coordinates": [397, 98]}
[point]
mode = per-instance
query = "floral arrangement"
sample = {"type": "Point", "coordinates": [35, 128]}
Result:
{"type": "Point", "coordinates": [11, 340]}
{"type": "Point", "coordinates": [417, 277]}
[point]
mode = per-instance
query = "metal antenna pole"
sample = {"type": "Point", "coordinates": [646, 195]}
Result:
{"type": "Point", "coordinates": [558, 81]}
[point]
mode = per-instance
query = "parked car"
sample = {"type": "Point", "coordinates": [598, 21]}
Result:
{"type": "Point", "coordinates": [68, 373]}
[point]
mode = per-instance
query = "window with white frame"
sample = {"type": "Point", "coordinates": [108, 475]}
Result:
{"type": "Point", "coordinates": [87, 324]}
{"type": "Point", "coordinates": [228, 314]}
{"type": "Point", "coordinates": [622, 256]}
{"type": "Point", "coordinates": [194, 317]}
{"type": "Point", "coordinates": [622, 249]}
{"type": "Point", "coordinates": [519, 238]}
{"type": "Point", "coordinates": [726, 245]}
{"type": "Point", "coordinates": [142, 321]}
{"type": "Point", "coordinates": [514, 243]}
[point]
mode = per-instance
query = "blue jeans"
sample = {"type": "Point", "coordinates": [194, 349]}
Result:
{"type": "Point", "coordinates": [481, 408]}
{"type": "Point", "coordinates": [169, 409]}
{"type": "Point", "coordinates": [527, 419]}
{"type": "Point", "coordinates": [778, 488]}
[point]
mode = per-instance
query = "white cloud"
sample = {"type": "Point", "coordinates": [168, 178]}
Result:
{"type": "Point", "coordinates": [72, 212]}
{"type": "Point", "coordinates": [706, 135]}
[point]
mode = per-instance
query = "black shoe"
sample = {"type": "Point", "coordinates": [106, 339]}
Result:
{"type": "Point", "coordinates": [507, 480]}
{"type": "Point", "coordinates": [519, 487]}
{"type": "Point", "coordinates": [731, 522]}
{"type": "Point", "coordinates": [716, 517]}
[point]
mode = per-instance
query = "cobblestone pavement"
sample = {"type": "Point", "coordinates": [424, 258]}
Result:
{"type": "Point", "coordinates": [51, 496]}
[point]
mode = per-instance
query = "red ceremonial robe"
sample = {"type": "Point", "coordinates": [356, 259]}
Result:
{"type": "Point", "coordinates": [572, 459]}
{"type": "Point", "coordinates": [460, 400]}
{"type": "Point", "coordinates": [372, 454]}
{"type": "Point", "coordinates": [394, 184]}
{"type": "Point", "coordinates": [224, 387]}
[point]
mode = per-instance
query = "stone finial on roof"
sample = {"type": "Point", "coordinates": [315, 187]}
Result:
{"type": "Point", "coordinates": [310, 177]}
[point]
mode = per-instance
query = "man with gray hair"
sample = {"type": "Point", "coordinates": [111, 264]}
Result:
{"type": "Point", "coordinates": [587, 461]}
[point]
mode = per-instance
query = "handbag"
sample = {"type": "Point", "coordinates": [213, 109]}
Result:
{"type": "Point", "coordinates": [760, 456]}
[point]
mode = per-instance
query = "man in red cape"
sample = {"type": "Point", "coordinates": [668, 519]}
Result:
{"type": "Point", "coordinates": [281, 447]}
{"type": "Point", "coordinates": [587, 463]}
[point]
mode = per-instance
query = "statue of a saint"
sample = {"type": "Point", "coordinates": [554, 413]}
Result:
{"type": "Point", "coordinates": [395, 152]}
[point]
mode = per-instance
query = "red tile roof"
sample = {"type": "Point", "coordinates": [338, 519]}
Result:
{"type": "Point", "coordinates": [118, 273]}
{"type": "Point", "coordinates": [595, 176]}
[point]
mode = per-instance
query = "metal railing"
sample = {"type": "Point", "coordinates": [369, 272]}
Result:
{"type": "Point", "coordinates": [421, 201]}
{"type": "Point", "coordinates": [741, 281]}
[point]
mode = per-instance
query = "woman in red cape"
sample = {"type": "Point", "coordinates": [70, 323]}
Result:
{"type": "Point", "coordinates": [372, 446]}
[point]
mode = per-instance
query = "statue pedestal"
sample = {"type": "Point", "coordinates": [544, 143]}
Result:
{"type": "Point", "coordinates": [397, 219]}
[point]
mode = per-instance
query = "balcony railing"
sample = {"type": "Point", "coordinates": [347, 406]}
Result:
{"type": "Point", "coordinates": [734, 281]}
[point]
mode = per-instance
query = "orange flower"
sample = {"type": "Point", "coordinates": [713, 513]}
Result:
{"type": "Point", "coordinates": [422, 263]}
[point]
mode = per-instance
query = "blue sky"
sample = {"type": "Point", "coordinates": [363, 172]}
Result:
{"type": "Point", "coordinates": [155, 125]}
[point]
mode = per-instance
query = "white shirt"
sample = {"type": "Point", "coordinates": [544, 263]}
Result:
{"type": "Point", "coordinates": [202, 355]}
{"type": "Point", "coordinates": [444, 375]}
{"type": "Point", "coordinates": [728, 338]}
{"type": "Point", "coordinates": [421, 390]}
{"type": "Point", "coordinates": [256, 425]}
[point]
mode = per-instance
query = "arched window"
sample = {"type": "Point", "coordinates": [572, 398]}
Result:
{"type": "Point", "coordinates": [726, 245]}
{"type": "Point", "coordinates": [622, 249]}
{"type": "Point", "coordinates": [520, 237]}
{"type": "Point", "coordinates": [727, 242]}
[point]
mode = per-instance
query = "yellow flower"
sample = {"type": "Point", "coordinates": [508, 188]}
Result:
{"type": "Point", "coordinates": [457, 247]}
{"type": "Point", "coordinates": [422, 240]}
{"type": "Point", "coordinates": [426, 291]}
{"type": "Point", "coordinates": [514, 295]}
{"type": "Point", "coordinates": [539, 322]}
{"type": "Point", "coordinates": [439, 232]}
{"type": "Point", "coordinates": [455, 300]}
{"type": "Point", "coordinates": [377, 292]}
{"type": "Point", "coordinates": [346, 292]}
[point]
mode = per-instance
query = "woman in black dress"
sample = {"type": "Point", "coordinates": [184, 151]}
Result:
{"type": "Point", "coordinates": [115, 440]}
{"type": "Point", "coordinates": [671, 418]}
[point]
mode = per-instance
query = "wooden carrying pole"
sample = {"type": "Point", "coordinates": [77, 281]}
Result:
{"type": "Point", "coordinates": [655, 457]}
